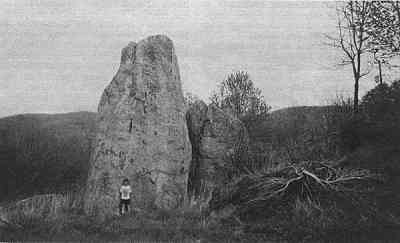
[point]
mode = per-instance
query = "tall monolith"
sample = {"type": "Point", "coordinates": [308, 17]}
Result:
{"type": "Point", "coordinates": [142, 133]}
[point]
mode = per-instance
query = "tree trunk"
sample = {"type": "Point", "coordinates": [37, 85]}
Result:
{"type": "Point", "coordinates": [380, 72]}
{"type": "Point", "coordinates": [356, 85]}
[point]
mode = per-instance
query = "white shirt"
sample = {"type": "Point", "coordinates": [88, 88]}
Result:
{"type": "Point", "coordinates": [125, 192]}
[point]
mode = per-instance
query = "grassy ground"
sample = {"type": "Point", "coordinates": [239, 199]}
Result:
{"type": "Point", "coordinates": [166, 227]}
{"type": "Point", "coordinates": [59, 218]}
{"type": "Point", "coordinates": [155, 226]}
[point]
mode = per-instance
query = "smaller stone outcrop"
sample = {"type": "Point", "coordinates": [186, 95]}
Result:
{"type": "Point", "coordinates": [219, 147]}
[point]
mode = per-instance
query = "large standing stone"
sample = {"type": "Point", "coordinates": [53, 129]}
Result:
{"type": "Point", "coordinates": [219, 149]}
{"type": "Point", "coordinates": [142, 133]}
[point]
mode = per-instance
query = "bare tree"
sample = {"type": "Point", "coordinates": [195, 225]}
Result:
{"type": "Point", "coordinates": [239, 95]}
{"type": "Point", "coordinates": [190, 98]}
{"type": "Point", "coordinates": [352, 38]}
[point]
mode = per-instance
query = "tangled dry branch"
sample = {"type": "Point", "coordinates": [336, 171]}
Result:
{"type": "Point", "coordinates": [314, 181]}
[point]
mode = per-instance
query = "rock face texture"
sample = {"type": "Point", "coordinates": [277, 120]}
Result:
{"type": "Point", "coordinates": [219, 144]}
{"type": "Point", "coordinates": [142, 133]}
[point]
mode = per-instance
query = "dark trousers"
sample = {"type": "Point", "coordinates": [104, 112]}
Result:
{"type": "Point", "coordinates": [124, 203]}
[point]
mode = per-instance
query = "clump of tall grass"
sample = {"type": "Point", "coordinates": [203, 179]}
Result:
{"type": "Point", "coordinates": [44, 210]}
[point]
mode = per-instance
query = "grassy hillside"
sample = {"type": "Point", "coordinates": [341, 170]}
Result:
{"type": "Point", "coordinates": [42, 153]}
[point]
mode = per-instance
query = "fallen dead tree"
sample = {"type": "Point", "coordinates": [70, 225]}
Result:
{"type": "Point", "coordinates": [310, 199]}
{"type": "Point", "coordinates": [270, 191]}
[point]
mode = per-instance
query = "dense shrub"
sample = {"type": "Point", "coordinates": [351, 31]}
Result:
{"type": "Point", "coordinates": [381, 110]}
{"type": "Point", "coordinates": [376, 124]}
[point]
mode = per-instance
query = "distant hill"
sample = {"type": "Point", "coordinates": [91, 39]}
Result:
{"type": "Point", "coordinates": [310, 111]}
{"type": "Point", "coordinates": [293, 134]}
{"type": "Point", "coordinates": [41, 152]}
{"type": "Point", "coordinates": [298, 117]}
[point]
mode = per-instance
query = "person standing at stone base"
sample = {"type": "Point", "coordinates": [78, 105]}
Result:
{"type": "Point", "coordinates": [125, 193]}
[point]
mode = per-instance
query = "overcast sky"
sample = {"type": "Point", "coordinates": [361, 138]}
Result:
{"type": "Point", "coordinates": [58, 56]}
